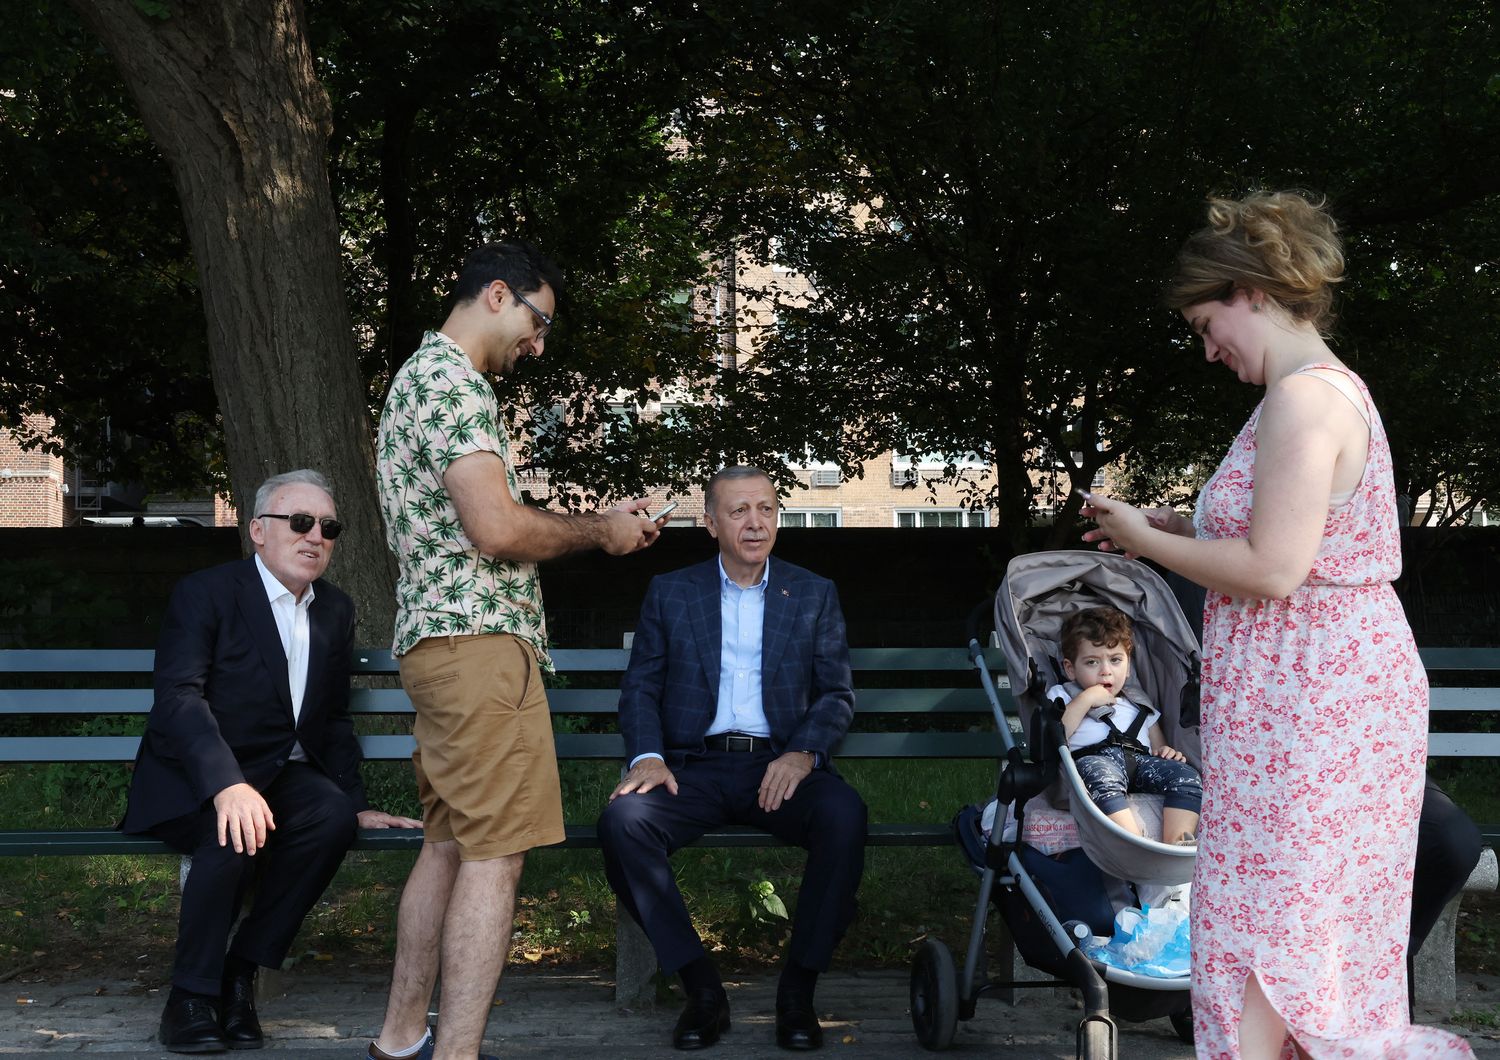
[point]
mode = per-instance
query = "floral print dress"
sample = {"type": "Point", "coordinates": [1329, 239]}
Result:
{"type": "Point", "coordinates": [1314, 731]}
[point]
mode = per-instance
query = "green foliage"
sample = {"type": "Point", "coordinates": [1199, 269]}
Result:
{"type": "Point", "coordinates": [100, 321]}
{"type": "Point", "coordinates": [762, 905]}
{"type": "Point", "coordinates": [986, 198]}
{"type": "Point", "coordinates": [551, 121]}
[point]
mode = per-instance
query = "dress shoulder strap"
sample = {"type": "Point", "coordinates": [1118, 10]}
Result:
{"type": "Point", "coordinates": [1345, 382]}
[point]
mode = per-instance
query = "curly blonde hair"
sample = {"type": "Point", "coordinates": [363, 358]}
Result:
{"type": "Point", "coordinates": [1282, 243]}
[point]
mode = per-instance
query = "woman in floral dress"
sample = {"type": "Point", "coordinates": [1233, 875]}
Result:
{"type": "Point", "coordinates": [1314, 722]}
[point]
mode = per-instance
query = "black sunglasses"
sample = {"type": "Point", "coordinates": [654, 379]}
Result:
{"type": "Point", "coordinates": [301, 523]}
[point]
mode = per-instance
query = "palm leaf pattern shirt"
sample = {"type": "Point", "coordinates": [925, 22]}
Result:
{"type": "Point", "coordinates": [439, 409]}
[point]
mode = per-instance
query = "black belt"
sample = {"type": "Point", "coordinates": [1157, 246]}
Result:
{"type": "Point", "coordinates": [736, 741]}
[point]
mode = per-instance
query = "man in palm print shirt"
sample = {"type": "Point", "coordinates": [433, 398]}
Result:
{"type": "Point", "coordinates": [472, 642]}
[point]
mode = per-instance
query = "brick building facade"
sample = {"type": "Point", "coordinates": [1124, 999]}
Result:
{"type": "Point", "coordinates": [33, 488]}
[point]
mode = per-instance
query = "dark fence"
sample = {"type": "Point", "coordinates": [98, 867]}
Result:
{"type": "Point", "coordinates": [106, 587]}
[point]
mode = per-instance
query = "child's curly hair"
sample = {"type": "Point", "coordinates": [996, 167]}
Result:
{"type": "Point", "coordinates": [1104, 626]}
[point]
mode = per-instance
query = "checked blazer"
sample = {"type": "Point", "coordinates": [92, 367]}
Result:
{"type": "Point", "coordinates": [669, 694]}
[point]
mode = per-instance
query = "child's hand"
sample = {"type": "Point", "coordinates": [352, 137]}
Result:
{"type": "Point", "coordinates": [1095, 696]}
{"type": "Point", "coordinates": [1169, 754]}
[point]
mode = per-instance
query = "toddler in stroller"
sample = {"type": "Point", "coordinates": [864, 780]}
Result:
{"type": "Point", "coordinates": [1105, 730]}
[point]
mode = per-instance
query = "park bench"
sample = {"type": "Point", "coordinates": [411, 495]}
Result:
{"type": "Point", "coordinates": [913, 703]}
{"type": "Point", "coordinates": [939, 693]}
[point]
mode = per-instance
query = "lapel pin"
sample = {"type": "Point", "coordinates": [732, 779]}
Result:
{"type": "Point", "coordinates": [786, 592]}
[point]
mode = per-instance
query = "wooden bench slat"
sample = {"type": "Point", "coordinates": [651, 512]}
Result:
{"type": "Point", "coordinates": [608, 660]}
{"type": "Point", "coordinates": [93, 701]}
{"type": "Point", "coordinates": [595, 746]}
{"type": "Point", "coordinates": [76, 660]}
{"type": "Point", "coordinates": [108, 841]}
{"type": "Point", "coordinates": [615, 660]}
{"type": "Point", "coordinates": [68, 748]}
{"type": "Point", "coordinates": [1463, 744]}
{"type": "Point", "coordinates": [55, 701]}
{"type": "Point", "coordinates": [584, 746]}
{"type": "Point", "coordinates": [1460, 658]}
{"type": "Point", "coordinates": [75, 701]}
{"type": "Point", "coordinates": [1482, 700]}
{"type": "Point", "coordinates": [607, 701]}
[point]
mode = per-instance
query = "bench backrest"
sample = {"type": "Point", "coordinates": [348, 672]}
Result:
{"type": "Point", "coordinates": [943, 681]}
{"type": "Point", "coordinates": [943, 688]}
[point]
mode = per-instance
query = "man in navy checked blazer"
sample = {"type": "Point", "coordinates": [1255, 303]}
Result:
{"type": "Point", "coordinates": [737, 693]}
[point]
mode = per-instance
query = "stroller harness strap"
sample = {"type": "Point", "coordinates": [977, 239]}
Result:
{"type": "Point", "coordinates": [1128, 738]}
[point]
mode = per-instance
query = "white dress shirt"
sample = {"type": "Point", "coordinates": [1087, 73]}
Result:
{"type": "Point", "coordinates": [296, 636]}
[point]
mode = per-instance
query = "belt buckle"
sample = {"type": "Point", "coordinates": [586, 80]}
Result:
{"type": "Point", "coordinates": [739, 743]}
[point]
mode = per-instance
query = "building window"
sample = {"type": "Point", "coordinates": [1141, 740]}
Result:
{"type": "Point", "coordinates": [911, 518]}
{"type": "Point", "coordinates": [937, 461]}
{"type": "Point", "coordinates": [811, 517]}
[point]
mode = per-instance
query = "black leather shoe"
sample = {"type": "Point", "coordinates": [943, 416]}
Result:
{"type": "Point", "coordinates": [191, 1026]}
{"type": "Point", "coordinates": [705, 1017]}
{"type": "Point", "coordinates": [241, 1025]}
{"type": "Point", "coordinates": [797, 1024]}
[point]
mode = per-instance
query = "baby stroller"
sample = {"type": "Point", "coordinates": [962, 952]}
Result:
{"type": "Point", "coordinates": [1051, 905]}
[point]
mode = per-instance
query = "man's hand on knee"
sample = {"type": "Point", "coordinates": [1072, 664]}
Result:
{"type": "Point", "coordinates": [244, 818]}
{"type": "Point", "coordinates": [782, 777]}
{"type": "Point", "coordinates": [646, 774]}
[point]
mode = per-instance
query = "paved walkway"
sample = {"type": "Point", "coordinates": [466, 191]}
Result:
{"type": "Point", "coordinates": [322, 1014]}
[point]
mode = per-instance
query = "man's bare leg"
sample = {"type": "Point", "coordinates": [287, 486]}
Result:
{"type": "Point", "coordinates": [476, 940]}
{"type": "Point", "coordinates": [419, 927]}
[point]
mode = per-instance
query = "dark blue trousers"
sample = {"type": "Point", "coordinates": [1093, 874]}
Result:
{"type": "Point", "coordinates": [315, 826]}
{"type": "Point", "coordinates": [825, 816]}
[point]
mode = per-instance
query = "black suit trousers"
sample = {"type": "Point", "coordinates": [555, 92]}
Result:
{"type": "Point", "coordinates": [315, 826]}
{"type": "Point", "coordinates": [825, 816]}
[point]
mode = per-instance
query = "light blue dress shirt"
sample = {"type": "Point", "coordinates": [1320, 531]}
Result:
{"type": "Point", "coordinates": [742, 620]}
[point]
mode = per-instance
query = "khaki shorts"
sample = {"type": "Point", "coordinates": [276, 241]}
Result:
{"type": "Point", "coordinates": [485, 762]}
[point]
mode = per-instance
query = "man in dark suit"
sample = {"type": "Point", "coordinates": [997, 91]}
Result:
{"type": "Point", "coordinates": [249, 761]}
{"type": "Point", "coordinates": [737, 692]}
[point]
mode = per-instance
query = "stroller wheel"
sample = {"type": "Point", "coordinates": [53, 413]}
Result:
{"type": "Point", "coordinates": [1096, 1039]}
{"type": "Point", "coordinates": [934, 995]}
{"type": "Point", "coordinates": [1182, 1023]}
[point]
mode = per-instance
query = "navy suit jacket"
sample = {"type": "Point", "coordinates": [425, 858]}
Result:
{"type": "Point", "coordinates": [223, 708]}
{"type": "Point", "coordinates": [670, 693]}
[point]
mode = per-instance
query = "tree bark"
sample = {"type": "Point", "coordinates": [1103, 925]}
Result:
{"type": "Point", "coordinates": [229, 94]}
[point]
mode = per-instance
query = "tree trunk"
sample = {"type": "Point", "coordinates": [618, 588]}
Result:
{"type": "Point", "coordinates": [229, 94]}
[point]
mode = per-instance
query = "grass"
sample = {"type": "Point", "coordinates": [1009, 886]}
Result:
{"type": "Point", "coordinates": [1477, 1019]}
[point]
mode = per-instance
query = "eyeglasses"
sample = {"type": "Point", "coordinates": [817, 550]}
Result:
{"type": "Point", "coordinates": [301, 523]}
{"type": "Point", "coordinates": [543, 317]}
